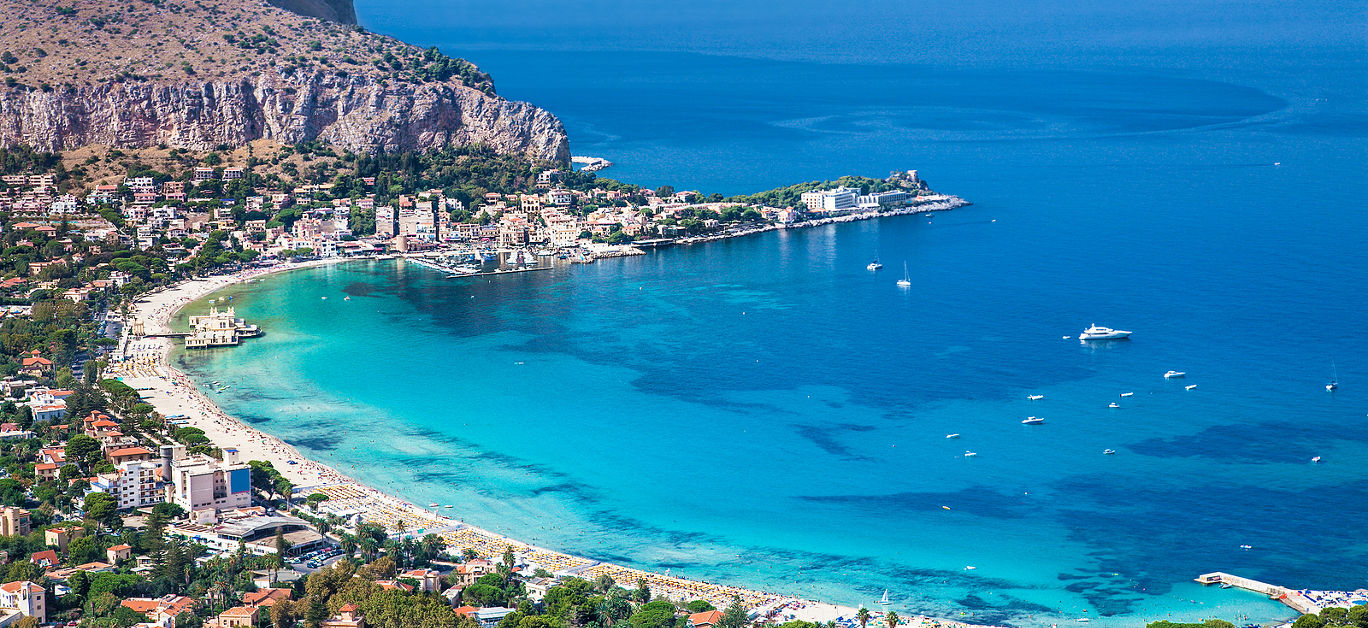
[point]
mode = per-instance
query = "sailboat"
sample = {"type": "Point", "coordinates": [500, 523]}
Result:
{"type": "Point", "coordinates": [1334, 382]}
{"type": "Point", "coordinates": [906, 281]}
{"type": "Point", "coordinates": [883, 601]}
{"type": "Point", "coordinates": [876, 264]}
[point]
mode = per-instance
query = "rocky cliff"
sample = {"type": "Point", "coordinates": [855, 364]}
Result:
{"type": "Point", "coordinates": [216, 72]}
{"type": "Point", "coordinates": [354, 113]}
{"type": "Point", "coordinates": [340, 11]}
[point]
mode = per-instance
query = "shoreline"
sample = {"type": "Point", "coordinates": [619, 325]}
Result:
{"type": "Point", "coordinates": [171, 392]}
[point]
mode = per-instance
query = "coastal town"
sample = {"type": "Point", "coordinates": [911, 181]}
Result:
{"type": "Point", "coordinates": [133, 500]}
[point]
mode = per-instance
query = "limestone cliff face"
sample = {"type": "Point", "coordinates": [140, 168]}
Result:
{"type": "Point", "coordinates": [353, 112]}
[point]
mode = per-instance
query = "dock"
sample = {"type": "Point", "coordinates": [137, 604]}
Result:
{"type": "Point", "coordinates": [1291, 597]}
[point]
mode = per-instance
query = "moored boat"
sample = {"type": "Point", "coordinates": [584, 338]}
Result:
{"type": "Point", "coordinates": [1098, 332]}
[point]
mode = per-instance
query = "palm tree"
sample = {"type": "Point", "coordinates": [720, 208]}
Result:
{"type": "Point", "coordinates": [862, 616]}
{"type": "Point", "coordinates": [892, 619]}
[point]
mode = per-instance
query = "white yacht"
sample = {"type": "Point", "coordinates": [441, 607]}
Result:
{"type": "Point", "coordinates": [955, 435]}
{"type": "Point", "coordinates": [906, 281]}
{"type": "Point", "coordinates": [1096, 332]}
{"type": "Point", "coordinates": [1190, 386]}
{"type": "Point", "coordinates": [1032, 420]}
{"type": "Point", "coordinates": [1174, 374]}
{"type": "Point", "coordinates": [969, 454]}
{"type": "Point", "coordinates": [1035, 397]}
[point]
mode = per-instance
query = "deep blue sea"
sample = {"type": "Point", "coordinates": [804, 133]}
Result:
{"type": "Point", "coordinates": [767, 412]}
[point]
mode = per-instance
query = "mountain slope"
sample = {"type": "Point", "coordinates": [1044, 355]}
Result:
{"type": "Point", "coordinates": [201, 73]}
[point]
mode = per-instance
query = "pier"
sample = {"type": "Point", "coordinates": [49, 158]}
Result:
{"type": "Point", "coordinates": [591, 164]}
{"type": "Point", "coordinates": [1292, 598]}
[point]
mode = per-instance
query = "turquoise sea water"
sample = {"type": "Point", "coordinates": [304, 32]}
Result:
{"type": "Point", "coordinates": [765, 411]}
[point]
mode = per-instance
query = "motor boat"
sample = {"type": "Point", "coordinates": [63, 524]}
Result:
{"type": "Point", "coordinates": [1174, 375]}
{"type": "Point", "coordinates": [1189, 386]}
{"type": "Point", "coordinates": [969, 454]}
{"type": "Point", "coordinates": [1127, 394]}
{"type": "Point", "coordinates": [874, 265]}
{"type": "Point", "coordinates": [1108, 452]}
{"type": "Point", "coordinates": [1032, 420]}
{"type": "Point", "coordinates": [1035, 397]}
{"type": "Point", "coordinates": [1113, 405]}
{"type": "Point", "coordinates": [1097, 332]}
{"type": "Point", "coordinates": [955, 435]}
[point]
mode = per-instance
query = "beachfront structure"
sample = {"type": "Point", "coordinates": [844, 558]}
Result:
{"type": "Point", "coordinates": [14, 521]}
{"type": "Point", "coordinates": [218, 328]}
{"type": "Point", "coordinates": [253, 529]}
{"type": "Point", "coordinates": [198, 483]}
{"type": "Point", "coordinates": [22, 599]}
{"type": "Point", "coordinates": [132, 484]}
{"type": "Point", "coordinates": [841, 198]}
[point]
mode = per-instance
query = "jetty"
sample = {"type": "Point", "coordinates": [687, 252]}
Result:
{"type": "Point", "coordinates": [1304, 601]}
{"type": "Point", "coordinates": [591, 164]}
{"type": "Point", "coordinates": [218, 328]}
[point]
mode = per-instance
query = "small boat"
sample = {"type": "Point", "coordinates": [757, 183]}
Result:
{"type": "Point", "coordinates": [955, 435]}
{"type": "Point", "coordinates": [970, 567]}
{"type": "Point", "coordinates": [1035, 397]}
{"type": "Point", "coordinates": [346, 298]}
{"type": "Point", "coordinates": [906, 281]}
{"type": "Point", "coordinates": [1127, 394]}
{"type": "Point", "coordinates": [874, 265]}
{"type": "Point", "coordinates": [1097, 332]}
{"type": "Point", "coordinates": [1246, 547]}
{"type": "Point", "coordinates": [1189, 386]}
{"type": "Point", "coordinates": [1113, 405]}
{"type": "Point", "coordinates": [447, 506]}
{"type": "Point", "coordinates": [1226, 585]}
{"type": "Point", "coordinates": [1032, 420]}
{"type": "Point", "coordinates": [969, 454]}
{"type": "Point", "coordinates": [432, 505]}
{"type": "Point", "coordinates": [1108, 452]}
{"type": "Point", "coordinates": [324, 298]}
{"type": "Point", "coordinates": [1316, 460]}
{"type": "Point", "coordinates": [1174, 374]}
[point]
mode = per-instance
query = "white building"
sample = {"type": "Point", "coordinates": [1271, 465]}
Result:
{"type": "Point", "coordinates": [891, 198]}
{"type": "Point", "coordinates": [22, 598]}
{"type": "Point", "coordinates": [202, 483]}
{"type": "Point", "coordinates": [830, 200]}
{"type": "Point", "coordinates": [132, 485]}
{"type": "Point", "coordinates": [46, 407]}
